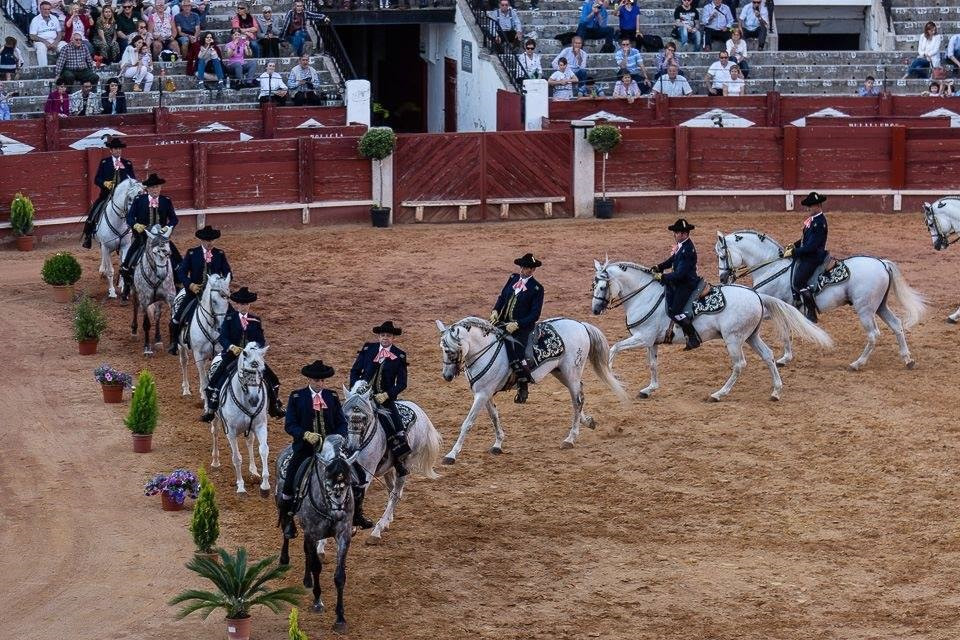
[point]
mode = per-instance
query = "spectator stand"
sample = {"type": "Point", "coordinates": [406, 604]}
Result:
{"type": "Point", "coordinates": [19, 12]}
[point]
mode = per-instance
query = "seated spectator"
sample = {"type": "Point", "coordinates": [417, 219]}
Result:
{"type": "Point", "coordinates": [755, 22]}
{"type": "Point", "coordinates": [687, 21]}
{"type": "Point", "coordinates": [78, 23]}
{"type": "Point", "coordinates": [127, 21]}
{"type": "Point", "coordinates": [58, 102]}
{"type": "Point", "coordinates": [717, 22]}
{"type": "Point", "coordinates": [629, 15]}
{"type": "Point", "coordinates": [630, 61]}
{"type": "Point", "coordinates": [11, 60]}
{"type": "Point", "coordinates": [508, 21]}
{"type": "Point", "coordinates": [137, 64]}
{"type": "Point", "coordinates": [737, 50]}
{"type": "Point", "coordinates": [272, 88]}
{"type": "Point", "coordinates": [144, 34]}
{"type": "Point", "coordinates": [46, 33]}
{"type": "Point", "coordinates": [294, 28]}
{"type": "Point", "coordinates": [209, 54]}
{"type": "Point", "coordinates": [673, 84]}
{"type": "Point", "coordinates": [85, 102]}
{"type": "Point", "coordinates": [188, 33]}
{"type": "Point", "coordinates": [238, 59]}
{"type": "Point", "coordinates": [928, 53]}
{"type": "Point", "coordinates": [303, 82]}
{"type": "Point", "coordinates": [528, 63]}
{"type": "Point", "coordinates": [5, 103]}
{"type": "Point", "coordinates": [248, 26]}
{"type": "Point", "coordinates": [105, 41]}
{"type": "Point", "coordinates": [162, 26]}
{"type": "Point", "coordinates": [267, 35]}
{"type": "Point", "coordinates": [869, 88]}
{"type": "Point", "coordinates": [939, 89]}
{"type": "Point", "coordinates": [736, 85]}
{"type": "Point", "coordinates": [562, 80]}
{"type": "Point", "coordinates": [666, 58]}
{"type": "Point", "coordinates": [952, 54]}
{"type": "Point", "coordinates": [112, 100]}
{"type": "Point", "coordinates": [719, 74]}
{"type": "Point", "coordinates": [92, 11]}
{"type": "Point", "coordinates": [74, 62]}
{"type": "Point", "coordinates": [627, 88]}
{"type": "Point", "coordinates": [576, 59]}
{"type": "Point", "coordinates": [593, 24]}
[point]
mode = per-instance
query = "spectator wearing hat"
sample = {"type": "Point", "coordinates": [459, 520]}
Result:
{"type": "Point", "coordinates": [111, 171]}
{"type": "Point", "coordinates": [303, 82]}
{"type": "Point", "coordinates": [240, 327]}
{"type": "Point", "coordinates": [249, 27]}
{"type": "Point", "coordinates": [267, 34]}
{"type": "Point", "coordinates": [58, 101]}
{"type": "Point", "coordinates": [197, 265]}
{"type": "Point", "coordinates": [148, 209]}
{"type": "Point", "coordinates": [272, 88]}
{"type": "Point", "coordinates": [808, 253]}
{"type": "Point", "coordinates": [74, 62]}
{"type": "Point", "coordinates": [113, 101]}
{"type": "Point", "coordinates": [383, 366]}
{"type": "Point", "coordinates": [294, 29]}
{"type": "Point", "coordinates": [517, 311]}
{"type": "Point", "coordinates": [681, 280]}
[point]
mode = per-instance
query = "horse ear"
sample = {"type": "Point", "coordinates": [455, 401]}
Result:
{"type": "Point", "coordinates": [264, 350]}
{"type": "Point", "coordinates": [227, 279]}
{"type": "Point", "coordinates": [597, 265]}
{"type": "Point", "coordinates": [167, 234]}
{"type": "Point", "coordinates": [440, 327]}
{"type": "Point", "coordinates": [719, 234]}
{"type": "Point", "coordinates": [150, 232]}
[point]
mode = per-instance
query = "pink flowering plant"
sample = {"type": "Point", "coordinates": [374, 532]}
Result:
{"type": "Point", "coordinates": [105, 374]}
{"type": "Point", "coordinates": [180, 484]}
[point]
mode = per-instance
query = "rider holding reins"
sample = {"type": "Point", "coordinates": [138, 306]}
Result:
{"type": "Point", "coordinates": [112, 171]}
{"type": "Point", "coordinates": [517, 311]}
{"type": "Point", "coordinates": [808, 253]}
{"type": "Point", "coordinates": [682, 280]}
{"type": "Point", "coordinates": [198, 264]}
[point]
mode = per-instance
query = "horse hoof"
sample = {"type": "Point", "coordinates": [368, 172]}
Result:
{"type": "Point", "coordinates": [911, 364]}
{"type": "Point", "coordinates": [284, 560]}
{"type": "Point", "coordinates": [780, 364]}
{"type": "Point", "coordinates": [774, 397]}
{"type": "Point", "coordinates": [643, 395]}
{"type": "Point", "coordinates": [264, 493]}
{"type": "Point", "coordinates": [112, 296]}
{"type": "Point", "coordinates": [308, 583]}
{"type": "Point", "coordinates": [566, 445]}
{"type": "Point", "coordinates": [853, 367]}
{"type": "Point", "coordinates": [951, 320]}
{"type": "Point", "coordinates": [241, 493]}
{"type": "Point", "coordinates": [318, 607]}
{"type": "Point", "coordinates": [591, 423]}
{"type": "Point", "coordinates": [214, 465]}
{"type": "Point", "coordinates": [340, 627]}
{"type": "Point", "coordinates": [713, 398]}
{"type": "Point", "coordinates": [374, 541]}
{"type": "Point", "coordinates": [496, 450]}
{"type": "Point", "coordinates": [448, 460]}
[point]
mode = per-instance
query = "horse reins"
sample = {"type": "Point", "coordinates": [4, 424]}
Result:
{"type": "Point", "coordinates": [465, 367]}
{"type": "Point", "coordinates": [155, 286]}
{"type": "Point", "coordinates": [942, 238]}
{"type": "Point", "coordinates": [241, 375]}
{"type": "Point", "coordinates": [207, 327]}
{"type": "Point", "coordinates": [613, 304]}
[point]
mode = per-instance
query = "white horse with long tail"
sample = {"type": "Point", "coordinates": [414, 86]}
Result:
{"type": "Point", "coordinates": [475, 347]}
{"type": "Point", "coordinates": [867, 283]}
{"type": "Point", "coordinates": [112, 230]}
{"type": "Point", "coordinates": [632, 286]}
{"type": "Point", "coordinates": [200, 336]}
{"type": "Point", "coordinates": [943, 221]}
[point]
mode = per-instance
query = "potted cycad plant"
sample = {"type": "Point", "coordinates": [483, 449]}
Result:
{"type": "Point", "coordinates": [377, 144]}
{"type": "Point", "coordinates": [142, 418]}
{"type": "Point", "coordinates": [113, 382]}
{"type": "Point", "coordinates": [21, 222]}
{"type": "Point", "coordinates": [604, 138]}
{"type": "Point", "coordinates": [205, 521]}
{"type": "Point", "coordinates": [61, 271]}
{"type": "Point", "coordinates": [89, 323]}
{"type": "Point", "coordinates": [238, 588]}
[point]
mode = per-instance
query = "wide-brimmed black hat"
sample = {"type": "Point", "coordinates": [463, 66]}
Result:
{"type": "Point", "coordinates": [528, 261]}
{"type": "Point", "coordinates": [115, 143]}
{"type": "Point", "coordinates": [681, 226]}
{"type": "Point", "coordinates": [208, 233]}
{"type": "Point", "coordinates": [316, 370]}
{"type": "Point", "coordinates": [243, 296]}
{"type": "Point", "coordinates": [812, 199]}
{"type": "Point", "coordinates": [387, 327]}
{"type": "Point", "coordinates": [153, 180]}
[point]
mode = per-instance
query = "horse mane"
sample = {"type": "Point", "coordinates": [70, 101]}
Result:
{"type": "Point", "coordinates": [473, 322]}
{"type": "Point", "coordinates": [624, 265]}
{"type": "Point", "coordinates": [763, 236]}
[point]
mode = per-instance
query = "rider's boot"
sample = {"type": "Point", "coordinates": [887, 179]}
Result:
{"type": "Point", "coordinates": [809, 304]}
{"type": "Point", "coordinates": [87, 234]}
{"type": "Point", "coordinates": [359, 520]}
{"type": "Point", "coordinates": [213, 399]}
{"type": "Point", "coordinates": [686, 325]}
{"type": "Point", "coordinates": [174, 348]}
{"type": "Point", "coordinates": [287, 517]}
{"type": "Point", "coordinates": [523, 379]}
{"type": "Point", "coordinates": [399, 449]}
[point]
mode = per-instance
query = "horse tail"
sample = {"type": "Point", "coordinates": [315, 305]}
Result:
{"type": "Point", "coordinates": [600, 360]}
{"type": "Point", "coordinates": [790, 321]}
{"type": "Point", "coordinates": [913, 303]}
{"type": "Point", "coordinates": [424, 457]}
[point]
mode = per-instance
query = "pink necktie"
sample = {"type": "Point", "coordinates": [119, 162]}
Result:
{"type": "Point", "coordinates": [318, 402]}
{"type": "Point", "coordinates": [519, 285]}
{"type": "Point", "coordinates": [154, 201]}
{"type": "Point", "coordinates": [806, 223]}
{"type": "Point", "coordinates": [207, 255]}
{"type": "Point", "coordinates": [117, 164]}
{"type": "Point", "coordinates": [384, 354]}
{"type": "Point", "coordinates": [675, 249]}
{"type": "Point", "coordinates": [243, 321]}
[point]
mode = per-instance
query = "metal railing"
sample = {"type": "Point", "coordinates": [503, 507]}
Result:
{"type": "Point", "coordinates": [496, 42]}
{"type": "Point", "coordinates": [19, 15]}
{"type": "Point", "coordinates": [333, 47]}
{"type": "Point", "coordinates": [374, 5]}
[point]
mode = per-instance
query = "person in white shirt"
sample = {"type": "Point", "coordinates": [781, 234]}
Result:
{"type": "Point", "coordinates": [672, 84]}
{"type": "Point", "coordinates": [576, 59]}
{"type": "Point", "coordinates": [272, 88]}
{"type": "Point", "coordinates": [928, 53]}
{"type": "Point", "coordinates": [737, 50]}
{"type": "Point", "coordinates": [507, 18]}
{"type": "Point", "coordinates": [627, 88]}
{"type": "Point", "coordinates": [137, 64]}
{"type": "Point", "coordinates": [736, 85]}
{"type": "Point", "coordinates": [719, 74]}
{"type": "Point", "coordinates": [528, 63]}
{"type": "Point", "coordinates": [717, 21]}
{"type": "Point", "coordinates": [952, 53]}
{"type": "Point", "coordinates": [46, 33]}
{"type": "Point", "coordinates": [562, 80]}
{"type": "Point", "coordinates": [755, 22]}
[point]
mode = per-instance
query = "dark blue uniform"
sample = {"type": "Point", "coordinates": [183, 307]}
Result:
{"type": "Point", "coordinates": [810, 250]}
{"type": "Point", "coordinates": [521, 306]}
{"type": "Point", "coordinates": [233, 333]}
{"type": "Point", "coordinates": [194, 270]}
{"type": "Point", "coordinates": [142, 213]}
{"type": "Point", "coordinates": [301, 418]}
{"type": "Point", "coordinates": [387, 376]}
{"type": "Point", "coordinates": [106, 171]}
{"type": "Point", "coordinates": [682, 279]}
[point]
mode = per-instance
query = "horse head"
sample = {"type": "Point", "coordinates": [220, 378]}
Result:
{"type": "Point", "coordinates": [602, 287]}
{"type": "Point", "coordinates": [217, 293]}
{"type": "Point", "coordinates": [740, 250]}
{"type": "Point", "coordinates": [158, 244]}
{"type": "Point", "coordinates": [251, 364]}
{"type": "Point", "coordinates": [452, 350]}
{"type": "Point", "coordinates": [126, 192]}
{"type": "Point", "coordinates": [729, 258]}
{"type": "Point", "coordinates": [336, 472]}
{"type": "Point", "coordinates": [938, 235]}
{"type": "Point", "coordinates": [360, 413]}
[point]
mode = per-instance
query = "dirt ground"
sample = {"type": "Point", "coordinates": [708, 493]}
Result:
{"type": "Point", "coordinates": [831, 514]}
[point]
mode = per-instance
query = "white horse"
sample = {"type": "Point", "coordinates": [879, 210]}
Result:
{"type": "Point", "coordinates": [203, 330]}
{"type": "Point", "coordinates": [943, 221]}
{"type": "Point", "coordinates": [153, 285]}
{"type": "Point", "coordinates": [243, 411]}
{"type": "Point", "coordinates": [112, 231]}
{"type": "Point", "coordinates": [632, 286]}
{"type": "Point", "coordinates": [870, 284]}
{"type": "Point", "coordinates": [476, 347]}
{"type": "Point", "coordinates": [368, 444]}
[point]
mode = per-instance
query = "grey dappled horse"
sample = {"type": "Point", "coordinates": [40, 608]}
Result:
{"type": "Point", "coordinates": [153, 286]}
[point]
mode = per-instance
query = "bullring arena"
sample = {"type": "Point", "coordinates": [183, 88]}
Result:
{"type": "Point", "coordinates": [829, 514]}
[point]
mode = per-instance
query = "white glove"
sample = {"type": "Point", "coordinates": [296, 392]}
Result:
{"type": "Point", "coordinates": [381, 397]}
{"type": "Point", "coordinates": [512, 326]}
{"type": "Point", "coordinates": [312, 437]}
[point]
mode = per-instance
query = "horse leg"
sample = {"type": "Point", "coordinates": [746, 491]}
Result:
{"type": "Point", "coordinates": [395, 492]}
{"type": "Point", "coordinates": [133, 323]}
{"type": "Point", "coordinates": [654, 373]}
{"type": "Point", "coordinates": [735, 349]}
{"type": "Point", "coordinates": [185, 381]}
{"type": "Point", "coordinates": [106, 270]}
{"type": "Point", "coordinates": [498, 434]}
{"type": "Point", "coordinates": [264, 454]}
{"type": "Point", "coordinates": [215, 454]}
{"type": "Point", "coordinates": [576, 399]}
{"type": "Point", "coordinates": [203, 376]}
{"type": "Point", "coordinates": [954, 317]}
{"type": "Point", "coordinates": [147, 349]}
{"type": "Point", "coordinates": [635, 340]}
{"type": "Point", "coordinates": [251, 458]}
{"type": "Point", "coordinates": [321, 549]}
{"type": "Point", "coordinates": [316, 565]}
{"type": "Point", "coordinates": [869, 321]}
{"type": "Point", "coordinates": [157, 316]}
{"type": "Point", "coordinates": [284, 553]}
{"type": "Point", "coordinates": [766, 354]}
{"type": "Point", "coordinates": [896, 326]}
{"type": "Point", "coordinates": [237, 459]}
{"type": "Point", "coordinates": [787, 350]}
{"type": "Point", "coordinates": [340, 579]}
{"type": "Point", "coordinates": [479, 401]}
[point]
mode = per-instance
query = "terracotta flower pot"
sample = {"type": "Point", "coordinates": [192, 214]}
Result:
{"type": "Point", "coordinates": [238, 628]}
{"type": "Point", "coordinates": [63, 293]}
{"type": "Point", "coordinates": [168, 503]}
{"type": "Point", "coordinates": [213, 556]}
{"type": "Point", "coordinates": [112, 393]}
{"type": "Point", "coordinates": [24, 243]}
{"type": "Point", "coordinates": [87, 347]}
{"type": "Point", "coordinates": [141, 443]}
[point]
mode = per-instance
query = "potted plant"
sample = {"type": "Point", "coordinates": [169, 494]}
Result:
{"type": "Point", "coordinates": [21, 221]}
{"type": "Point", "coordinates": [89, 323]}
{"type": "Point", "coordinates": [112, 381]}
{"type": "Point", "coordinates": [377, 144]}
{"type": "Point", "coordinates": [604, 138]}
{"type": "Point", "coordinates": [173, 489]}
{"type": "Point", "coordinates": [205, 521]}
{"type": "Point", "coordinates": [61, 271]}
{"type": "Point", "coordinates": [293, 631]}
{"type": "Point", "coordinates": [238, 588]}
{"type": "Point", "coordinates": [142, 418]}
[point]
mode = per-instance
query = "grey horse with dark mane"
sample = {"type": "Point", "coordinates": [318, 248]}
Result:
{"type": "Point", "coordinates": [153, 286]}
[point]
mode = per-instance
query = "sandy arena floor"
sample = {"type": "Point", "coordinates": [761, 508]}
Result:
{"type": "Point", "coordinates": [832, 514]}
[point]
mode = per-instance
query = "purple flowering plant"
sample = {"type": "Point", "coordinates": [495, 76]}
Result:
{"type": "Point", "coordinates": [105, 374]}
{"type": "Point", "coordinates": [180, 484]}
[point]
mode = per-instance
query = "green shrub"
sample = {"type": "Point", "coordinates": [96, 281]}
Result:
{"type": "Point", "coordinates": [142, 418]}
{"type": "Point", "coordinates": [61, 269]}
{"type": "Point", "coordinates": [204, 523]}
{"type": "Point", "coordinates": [604, 138]}
{"type": "Point", "coordinates": [294, 631]}
{"type": "Point", "coordinates": [21, 215]}
{"type": "Point", "coordinates": [89, 321]}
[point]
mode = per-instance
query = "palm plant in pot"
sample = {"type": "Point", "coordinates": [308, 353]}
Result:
{"type": "Point", "coordinates": [112, 382]}
{"type": "Point", "coordinates": [238, 588]}
{"type": "Point", "coordinates": [205, 521]}
{"type": "Point", "coordinates": [142, 418]}
{"type": "Point", "coordinates": [604, 138]}
{"type": "Point", "coordinates": [61, 271]}
{"type": "Point", "coordinates": [21, 221]}
{"type": "Point", "coordinates": [377, 144]}
{"type": "Point", "coordinates": [89, 323]}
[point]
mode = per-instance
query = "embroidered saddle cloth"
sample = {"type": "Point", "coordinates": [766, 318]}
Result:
{"type": "Point", "coordinates": [543, 344]}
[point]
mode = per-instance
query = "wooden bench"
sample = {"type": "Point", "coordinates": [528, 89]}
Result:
{"type": "Point", "coordinates": [505, 203]}
{"type": "Point", "coordinates": [420, 204]}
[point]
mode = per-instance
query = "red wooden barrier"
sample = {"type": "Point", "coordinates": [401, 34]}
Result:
{"type": "Point", "coordinates": [736, 159]}
{"type": "Point", "coordinates": [431, 167]}
{"type": "Point", "coordinates": [844, 158]}
{"type": "Point", "coordinates": [644, 160]}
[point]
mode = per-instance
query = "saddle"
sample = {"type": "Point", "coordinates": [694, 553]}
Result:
{"type": "Point", "coordinates": [705, 299]}
{"type": "Point", "coordinates": [543, 344]}
{"type": "Point", "coordinates": [828, 273]}
{"type": "Point", "coordinates": [407, 417]}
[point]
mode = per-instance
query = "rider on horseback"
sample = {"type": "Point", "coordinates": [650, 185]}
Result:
{"type": "Point", "coordinates": [198, 264]}
{"type": "Point", "coordinates": [682, 280]}
{"type": "Point", "coordinates": [313, 413]}
{"type": "Point", "coordinates": [147, 210]}
{"type": "Point", "coordinates": [808, 253]}
{"type": "Point", "coordinates": [384, 367]}
{"type": "Point", "coordinates": [240, 327]}
{"type": "Point", "coordinates": [111, 172]}
{"type": "Point", "coordinates": [517, 311]}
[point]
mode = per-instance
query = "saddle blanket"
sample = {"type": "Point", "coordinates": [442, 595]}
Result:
{"type": "Point", "coordinates": [544, 344]}
{"type": "Point", "coordinates": [713, 302]}
{"type": "Point", "coordinates": [839, 273]}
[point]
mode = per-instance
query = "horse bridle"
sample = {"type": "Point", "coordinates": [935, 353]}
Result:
{"type": "Point", "coordinates": [244, 375]}
{"type": "Point", "coordinates": [211, 320]}
{"type": "Point", "coordinates": [368, 430]}
{"type": "Point", "coordinates": [326, 493]}
{"type": "Point", "coordinates": [943, 239]}
{"type": "Point", "coordinates": [740, 272]}
{"type": "Point", "coordinates": [603, 276]}
{"type": "Point", "coordinates": [155, 286]}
